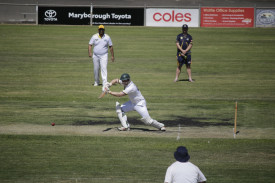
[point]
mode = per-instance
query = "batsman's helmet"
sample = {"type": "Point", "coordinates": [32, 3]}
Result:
{"type": "Point", "coordinates": [125, 77]}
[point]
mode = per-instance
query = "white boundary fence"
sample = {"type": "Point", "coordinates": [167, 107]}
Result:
{"type": "Point", "coordinates": [153, 15]}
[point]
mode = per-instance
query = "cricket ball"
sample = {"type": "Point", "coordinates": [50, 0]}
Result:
{"type": "Point", "coordinates": [53, 124]}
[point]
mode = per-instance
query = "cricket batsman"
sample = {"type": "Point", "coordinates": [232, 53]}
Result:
{"type": "Point", "coordinates": [136, 103]}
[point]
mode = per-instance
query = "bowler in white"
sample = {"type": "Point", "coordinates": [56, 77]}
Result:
{"type": "Point", "coordinates": [100, 42]}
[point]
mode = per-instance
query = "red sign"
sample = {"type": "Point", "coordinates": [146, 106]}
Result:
{"type": "Point", "coordinates": [227, 17]}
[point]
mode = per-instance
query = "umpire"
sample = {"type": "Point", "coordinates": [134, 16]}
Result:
{"type": "Point", "coordinates": [184, 44]}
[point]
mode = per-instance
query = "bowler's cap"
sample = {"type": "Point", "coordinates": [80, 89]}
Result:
{"type": "Point", "coordinates": [181, 154]}
{"type": "Point", "coordinates": [101, 27]}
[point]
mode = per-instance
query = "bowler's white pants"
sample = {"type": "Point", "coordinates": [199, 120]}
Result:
{"type": "Point", "coordinates": [100, 62]}
{"type": "Point", "coordinates": [140, 107]}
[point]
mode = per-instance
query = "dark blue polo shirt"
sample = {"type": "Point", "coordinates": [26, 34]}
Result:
{"type": "Point", "coordinates": [184, 42]}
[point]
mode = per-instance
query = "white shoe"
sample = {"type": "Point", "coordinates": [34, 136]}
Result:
{"type": "Point", "coordinates": [123, 129]}
{"type": "Point", "coordinates": [163, 129]}
{"type": "Point", "coordinates": [95, 84]}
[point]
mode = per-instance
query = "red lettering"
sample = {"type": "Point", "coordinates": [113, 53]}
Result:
{"type": "Point", "coordinates": [154, 17]}
{"type": "Point", "coordinates": [187, 17]}
{"type": "Point", "coordinates": [167, 17]}
{"type": "Point", "coordinates": [166, 20]}
{"type": "Point", "coordinates": [173, 14]}
{"type": "Point", "coordinates": [179, 17]}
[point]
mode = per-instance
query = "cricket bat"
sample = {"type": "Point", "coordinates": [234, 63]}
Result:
{"type": "Point", "coordinates": [106, 89]}
{"type": "Point", "coordinates": [103, 94]}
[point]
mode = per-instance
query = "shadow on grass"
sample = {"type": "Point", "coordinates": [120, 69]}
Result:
{"type": "Point", "coordinates": [136, 129]}
{"type": "Point", "coordinates": [177, 120]}
{"type": "Point", "coordinates": [196, 122]}
{"type": "Point", "coordinates": [185, 80]}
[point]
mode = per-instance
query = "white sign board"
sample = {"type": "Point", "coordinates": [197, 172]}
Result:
{"type": "Point", "coordinates": [172, 17]}
{"type": "Point", "coordinates": [265, 18]}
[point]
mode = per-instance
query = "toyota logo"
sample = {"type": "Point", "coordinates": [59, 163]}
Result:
{"type": "Point", "coordinates": [50, 13]}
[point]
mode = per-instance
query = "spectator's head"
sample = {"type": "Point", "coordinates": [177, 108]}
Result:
{"type": "Point", "coordinates": [181, 154]}
{"type": "Point", "coordinates": [185, 28]}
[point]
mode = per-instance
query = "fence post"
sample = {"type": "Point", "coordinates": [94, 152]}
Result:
{"type": "Point", "coordinates": [144, 15]}
{"type": "Point", "coordinates": [91, 13]}
{"type": "Point", "coordinates": [199, 15]}
{"type": "Point", "coordinates": [36, 13]}
{"type": "Point", "coordinates": [255, 15]}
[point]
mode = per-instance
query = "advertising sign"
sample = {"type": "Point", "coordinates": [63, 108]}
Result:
{"type": "Point", "coordinates": [64, 15]}
{"type": "Point", "coordinates": [227, 17]}
{"type": "Point", "coordinates": [265, 17]}
{"type": "Point", "coordinates": [172, 17]}
{"type": "Point", "coordinates": [118, 16]}
{"type": "Point", "coordinates": [81, 16]}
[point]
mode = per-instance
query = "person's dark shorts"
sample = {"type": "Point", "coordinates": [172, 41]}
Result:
{"type": "Point", "coordinates": [184, 60]}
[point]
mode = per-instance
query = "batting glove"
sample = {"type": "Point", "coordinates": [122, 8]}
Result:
{"type": "Point", "coordinates": [108, 84]}
{"type": "Point", "coordinates": [107, 89]}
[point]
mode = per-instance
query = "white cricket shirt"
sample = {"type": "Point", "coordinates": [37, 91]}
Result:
{"type": "Point", "coordinates": [133, 92]}
{"type": "Point", "coordinates": [100, 44]}
{"type": "Point", "coordinates": [186, 172]}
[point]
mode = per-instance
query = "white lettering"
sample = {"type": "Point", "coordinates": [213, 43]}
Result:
{"type": "Point", "coordinates": [101, 16]}
{"type": "Point", "coordinates": [50, 19]}
{"type": "Point", "coordinates": [80, 16]}
{"type": "Point", "coordinates": [118, 17]}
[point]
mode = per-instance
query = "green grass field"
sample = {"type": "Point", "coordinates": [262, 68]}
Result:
{"type": "Point", "coordinates": [46, 76]}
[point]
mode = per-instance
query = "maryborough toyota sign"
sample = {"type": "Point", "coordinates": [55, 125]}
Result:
{"type": "Point", "coordinates": [64, 15]}
{"type": "Point", "coordinates": [118, 16]}
{"type": "Point", "coordinates": [79, 15]}
{"type": "Point", "coordinates": [50, 15]}
{"type": "Point", "coordinates": [82, 16]}
{"type": "Point", "coordinates": [109, 16]}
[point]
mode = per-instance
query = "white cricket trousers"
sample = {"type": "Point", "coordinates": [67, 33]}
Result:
{"type": "Point", "coordinates": [140, 107]}
{"type": "Point", "coordinates": [100, 62]}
